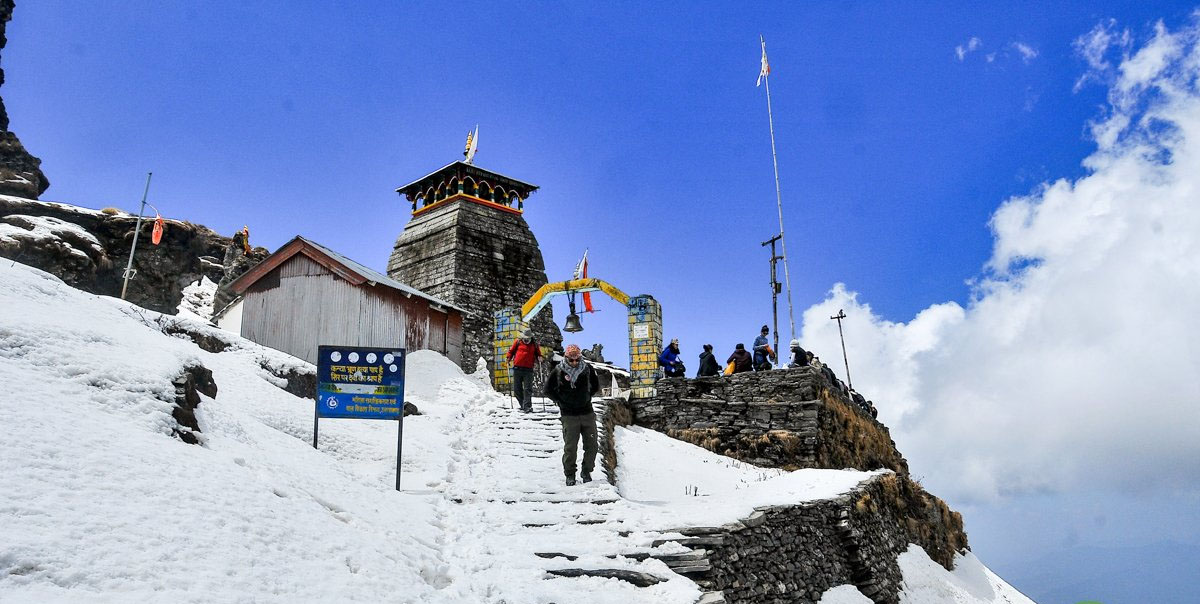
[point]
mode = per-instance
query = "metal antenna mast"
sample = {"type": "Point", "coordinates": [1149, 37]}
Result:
{"type": "Point", "coordinates": [842, 315]}
{"type": "Point", "coordinates": [129, 272]}
{"type": "Point", "coordinates": [774, 290]}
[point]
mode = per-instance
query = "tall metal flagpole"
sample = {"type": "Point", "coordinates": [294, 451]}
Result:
{"type": "Point", "coordinates": [136, 230]}
{"type": "Point", "coordinates": [778, 196]}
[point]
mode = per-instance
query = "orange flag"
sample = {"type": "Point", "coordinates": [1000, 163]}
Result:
{"type": "Point", "coordinates": [156, 236]}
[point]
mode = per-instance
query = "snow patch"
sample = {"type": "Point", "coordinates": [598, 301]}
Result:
{"type": "Point", "coordinates": [197, 301]}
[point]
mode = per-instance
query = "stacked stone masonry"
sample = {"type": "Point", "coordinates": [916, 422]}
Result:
{"type": "Point", "coordinates": [796, 418]}
{"type": "Point", "coordinates": [795, 553]}
{"type": "Point", "coordinates": [784, 418]}
{"type": "Point", "coordinates": [478, 258]}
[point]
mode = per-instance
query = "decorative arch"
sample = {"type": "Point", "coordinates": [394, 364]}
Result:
{"type": "Point", "coordinates": [485, 190]}
{"type": "Point", "coordinates": [453, 186]}
{"type": "Point", "coordinates": [500, 195]}
{"type": "Point", "coordinates": [469, 186]}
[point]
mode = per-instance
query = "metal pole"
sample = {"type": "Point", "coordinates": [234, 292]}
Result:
{"type": "Point", "coordinates": [316, 418]}
{"type": "Point", "coordinates": [842, 315]}
{"type": "Point", "coordinates": [779, 199]}
{"type": "Point", "coordinates": [399, 444]}
{"type": "Point", "coordinates": [774, 293]}
{"type": "Point", "coordinates": [136, 231]}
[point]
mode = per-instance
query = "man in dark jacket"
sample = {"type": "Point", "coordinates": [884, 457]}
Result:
{"type": "Point", "coordinates": [522, 355]}
{"type": "Point", "coordinates": [708, 363]}
{"type": "Point", "coordinates": [741, 359]}
{"type": "Point", "coordinates": [799, 355]}
{"type": "Point", "coordinates": [571, 386]}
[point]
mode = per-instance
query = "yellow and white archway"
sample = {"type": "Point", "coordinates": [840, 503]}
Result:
{"type": "Point", "coordinates": [645, 331]}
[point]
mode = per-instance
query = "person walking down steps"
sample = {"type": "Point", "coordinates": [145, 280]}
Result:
{"type": "Point", "coordinates": [522, 355]}
{"type": "Point", "coordinates": [571, 386]}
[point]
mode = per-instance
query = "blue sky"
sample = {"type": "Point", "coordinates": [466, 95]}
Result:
{"type": "Point", "coordinates": [898, 140]}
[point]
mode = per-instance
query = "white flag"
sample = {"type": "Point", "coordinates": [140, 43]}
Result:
{"type": "Point", "coordinates": [581, 268]}
{"type": "Point", "coordinates": [765, 70]}
{"type": "Point", "coordinates": [473, 144]}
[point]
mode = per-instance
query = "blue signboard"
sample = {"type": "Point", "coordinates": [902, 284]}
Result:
{"type": "Point", "coordinates": [360, 383]}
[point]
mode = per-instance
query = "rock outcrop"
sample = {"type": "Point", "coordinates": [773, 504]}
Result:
{"type": "Point", "coordinates": [20, 172]}
{"type": "Point", "coordinates": [88, 249]}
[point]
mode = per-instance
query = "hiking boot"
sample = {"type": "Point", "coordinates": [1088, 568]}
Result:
{"type": "Point", "coordinates": [570, 481]}
{"type": "Point", "coordinates": [586, 476]}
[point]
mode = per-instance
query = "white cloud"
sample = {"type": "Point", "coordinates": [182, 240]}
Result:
{"type": "Point", "coordinates": [961, 51]}
{"type": "Point", "coordinates": [1077, 363]}
{"type": "Point", "coordinates": [1028, 53]}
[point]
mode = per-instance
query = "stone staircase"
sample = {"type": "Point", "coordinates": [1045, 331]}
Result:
{"type": "Point", "coordinates": [506, 473]}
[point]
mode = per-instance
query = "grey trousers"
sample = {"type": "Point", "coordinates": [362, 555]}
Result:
{"type": "Point", "coordinates": [523, 386]}
{"type": "Point", "coordinates": [574, 426]}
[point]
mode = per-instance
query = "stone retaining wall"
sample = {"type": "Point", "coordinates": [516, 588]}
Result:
{"type": "Point", "coordinates": [784, 418]}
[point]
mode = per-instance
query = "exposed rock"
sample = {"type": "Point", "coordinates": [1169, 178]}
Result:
{"type": "Point", "coordinates": [631, 576]}
{"type": "Point", "coordinates": [195, 380]}
{"type": "Point", "coordinates": [20, 172]}
{"type": "Point", "coordinates": [89, 249]}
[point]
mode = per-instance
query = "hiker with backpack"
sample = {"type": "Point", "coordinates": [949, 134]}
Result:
{"type": "Point", "coordinates": [739, 361]}
{"type": "Point", "coordinates": [522, 356]}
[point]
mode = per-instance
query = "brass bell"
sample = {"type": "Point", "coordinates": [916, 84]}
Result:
{"type": "Point", "coordinates": [572, 324]}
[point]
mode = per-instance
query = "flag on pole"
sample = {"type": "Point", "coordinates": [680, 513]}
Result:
{"type": "Point", "coordinates": [581, 273]}
{"type": "Point", "coordinates": [156, 235]}
{"type": "Point", "coordinates": [472, 143]}
{"type": "Point", "coordinates": [765, 70]}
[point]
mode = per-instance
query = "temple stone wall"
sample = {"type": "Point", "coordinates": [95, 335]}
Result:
{"type": "Point", "coordinates": [478, 258]}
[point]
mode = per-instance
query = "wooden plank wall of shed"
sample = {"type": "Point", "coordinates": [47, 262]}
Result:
{"type": "Point", "coordinates": [310, 306]}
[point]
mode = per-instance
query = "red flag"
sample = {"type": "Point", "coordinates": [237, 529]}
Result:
{"type": "Point", "coordinates": [156, 235]}
{"type": "Point", "coordinates": [587, 296]}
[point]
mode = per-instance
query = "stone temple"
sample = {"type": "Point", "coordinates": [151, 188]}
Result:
{"type": "Point", "coordinates": [468, 243]}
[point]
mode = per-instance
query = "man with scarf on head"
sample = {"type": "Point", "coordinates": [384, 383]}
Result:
{"type": "Point", "coordinates": [571, 386]}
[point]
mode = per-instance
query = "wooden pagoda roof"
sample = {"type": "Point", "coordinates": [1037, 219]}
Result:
{"type": "Point", "coordinates": [461, 170]}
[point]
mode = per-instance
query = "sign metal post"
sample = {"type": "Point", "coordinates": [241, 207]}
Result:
{"type": "Point", "coordinates": [355, 382]}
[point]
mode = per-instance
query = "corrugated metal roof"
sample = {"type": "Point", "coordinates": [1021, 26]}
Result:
{"type": "Point", "coordinates": [379, 278]}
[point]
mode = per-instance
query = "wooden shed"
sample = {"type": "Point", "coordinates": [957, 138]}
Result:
{"type": "Point", "coordinates": [305, 295]}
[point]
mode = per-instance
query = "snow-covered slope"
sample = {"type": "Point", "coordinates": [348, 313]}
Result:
{"type": "Point", "coordinates": [101, 503]}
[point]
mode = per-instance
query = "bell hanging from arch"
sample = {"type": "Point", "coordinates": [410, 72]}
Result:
{"type": "Point", "coordinates": [572, 325]}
